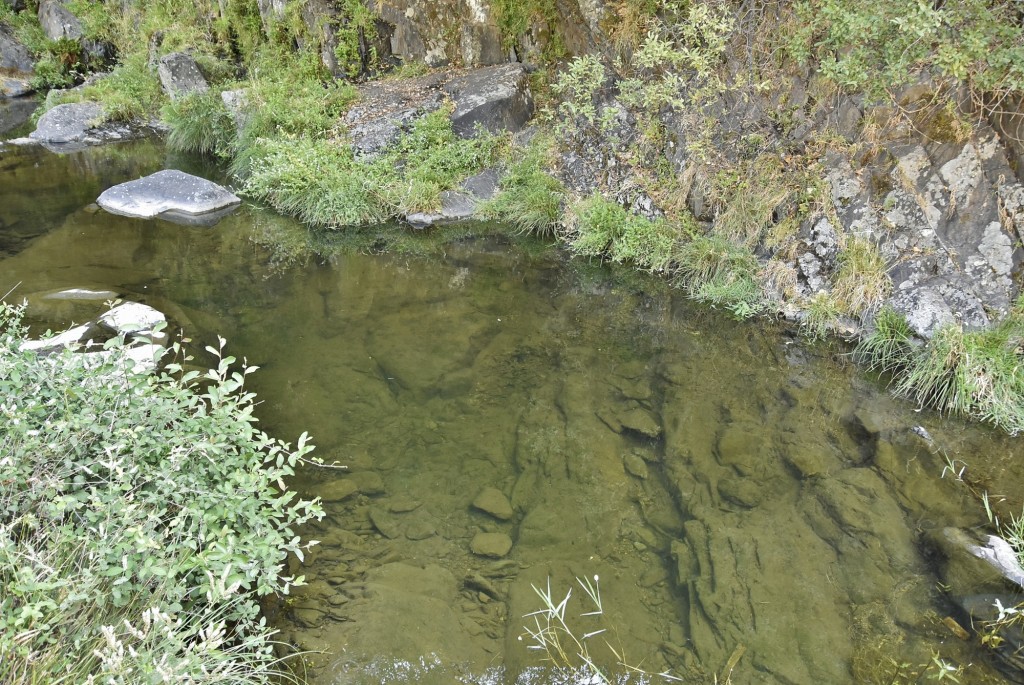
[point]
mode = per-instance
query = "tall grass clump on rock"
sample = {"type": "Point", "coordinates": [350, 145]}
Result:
{"type": "Point", "coordinates": [530, 198]}
{"type": "Point", "coordinates": [141, 516]}
{"type": "Point", "coordinates": [323, 183]}
{"type": "Point", "coordinates": [978, 373]}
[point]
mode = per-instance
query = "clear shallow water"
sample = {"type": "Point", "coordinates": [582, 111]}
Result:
{"type": "Point", "coordinates": [747, 501]}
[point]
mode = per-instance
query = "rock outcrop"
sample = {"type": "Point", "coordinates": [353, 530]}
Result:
{"type": "Point", "coordinates": [493, 99]}
{"type": "Point", "coordinates": [172, 195]}
{"type": "Point", "coordinates": [16, 66]}
{"type": "Point", "coordinates": [60, 23]}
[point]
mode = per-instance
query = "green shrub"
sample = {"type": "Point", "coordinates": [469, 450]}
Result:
{"type": "Point", "coordinates": [140, 517]}
{"type": "Point", "coordinates": [878, 44]}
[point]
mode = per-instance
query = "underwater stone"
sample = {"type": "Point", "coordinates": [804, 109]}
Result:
{"type": "Point", "coordinates": [338, 490]}
{"type": "Point", "coordinates": [369, 482]}
{"type": "Point", "coordinates": [420, 530]}
{"type": "Point", "coordinates": [494, 545]}
{"type": "Point", "coordinates": [492, 501]}
{"type": "Point", "coordinates": [384, 523]}
{"type": "Point", "coordinates": [169, 194]}
{"type": "Point", "coordinates": [635, 466]}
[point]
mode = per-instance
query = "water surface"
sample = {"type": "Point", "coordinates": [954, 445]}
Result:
{"type": "Point", "coordinates": [749, 503]}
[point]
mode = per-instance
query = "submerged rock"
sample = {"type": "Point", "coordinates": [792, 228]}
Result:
{"type": "Point", "coordinates": [492, 501]}
{"type": "Point", "coordinates": [132, 318]}
{"type": "Point", "coordinates": [494, 545]}
{"type": "Point", "coordinates": [172, 195]}
{"type": "Point", "coordinates": [69, 338]}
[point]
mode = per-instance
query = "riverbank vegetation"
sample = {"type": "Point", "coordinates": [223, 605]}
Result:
{"type": "Point", "coordinates": [663, 104]}
{"type": "Point", "coordinates": [141, 518]}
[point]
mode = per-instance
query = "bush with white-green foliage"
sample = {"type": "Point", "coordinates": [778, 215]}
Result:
{"type": "Point", "coordinates": [141, 516]}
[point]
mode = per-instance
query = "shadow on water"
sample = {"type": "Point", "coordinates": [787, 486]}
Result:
{"type": "Point", "coordinates": [507, 420]}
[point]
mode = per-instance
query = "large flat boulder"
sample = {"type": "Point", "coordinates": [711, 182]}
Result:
{"type": "Point", "coordinates": [180, 75]}
{"type": "Point", "coordinates": [494, 98]}
{"type": "Point", "coordinates": [172, 195]}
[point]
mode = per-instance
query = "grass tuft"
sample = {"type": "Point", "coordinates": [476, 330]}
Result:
{"type": "Point", "coordinates": [530, 198]}
{"type": "Point", "coordinates": [714, 270]}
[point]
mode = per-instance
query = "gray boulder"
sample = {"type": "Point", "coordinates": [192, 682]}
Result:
{"type": "Point", "coordinates": [15, 66]}
{"type": "Point", "coordinates": [494, 98]}
{"type": "Point", "coordinates": [13, 55]}
{"type": "Point", "coordinates": [172, 195]}
{"type": "Point", "coordinates": [236, 102]}
{"type": "Point", "coordinates": [58, 22]}
{"type": "Point", "coordinates": [180, 75]}
{"type": "Point", "coordinates": [69, 123]}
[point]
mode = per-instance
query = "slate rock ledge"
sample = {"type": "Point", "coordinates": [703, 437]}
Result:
{"type": "Point", "coordinates": [172, 195]}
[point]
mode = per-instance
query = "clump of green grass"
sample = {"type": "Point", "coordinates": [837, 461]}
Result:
{"type": "Point", "coordinates": [604, 228]}
{"type": "Point", "coordinates": [318, 181]}
{"type": "Point", "coordinates": [889, 347]}
{"type": "Point", "coordinates": [530, 198]}
{"type": "Point", "coordinates": [821, 315]}
{"type": "Point", "coordinates": [199, 123]}
{"type": "Point", "coordinates": [714, 270]}
{"type": "Point", "coordinates": [976, 373]}
{"type": "Point", "coordinates": [322, 183]}
{"type": "Point", "coordinates": [862, 282]}
{"type": "Point", "coordinates": [748, 197]}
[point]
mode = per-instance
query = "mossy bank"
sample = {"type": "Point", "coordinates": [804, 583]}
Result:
{"type": "Point", "coordinates": [820, 159]}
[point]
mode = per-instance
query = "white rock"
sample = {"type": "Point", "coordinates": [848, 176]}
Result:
{"type": "Point", "coordinates": [132, 318]}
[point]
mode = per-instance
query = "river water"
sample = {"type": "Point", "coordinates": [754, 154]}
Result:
{"type": "Point", "coordinates": [507, 421]}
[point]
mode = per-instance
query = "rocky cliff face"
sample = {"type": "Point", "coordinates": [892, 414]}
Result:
{"type": "Point", "coordinates": [466, 33]}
